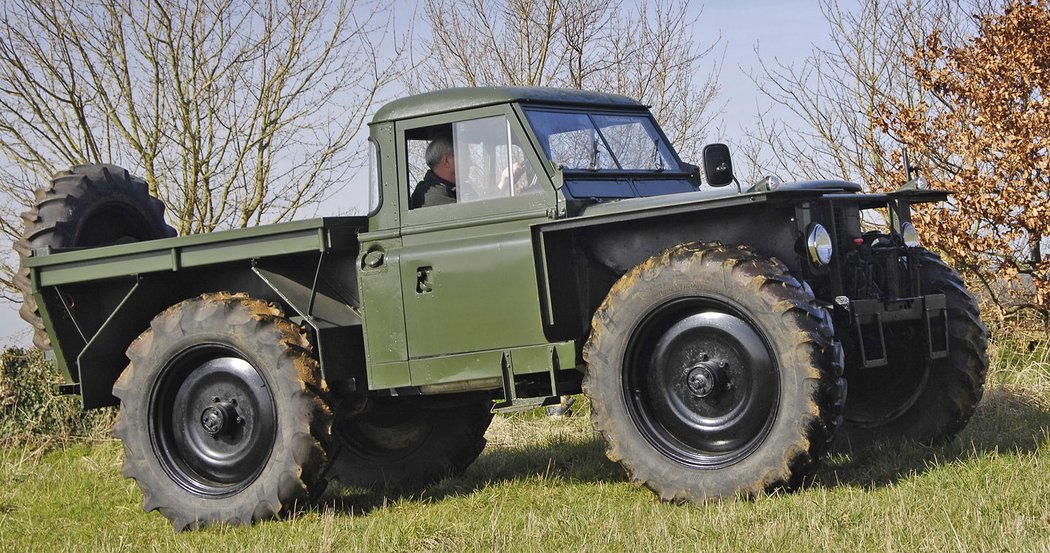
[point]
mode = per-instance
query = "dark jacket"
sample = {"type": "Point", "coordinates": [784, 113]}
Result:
{"type": "Point", "coordinates": [432, 190]}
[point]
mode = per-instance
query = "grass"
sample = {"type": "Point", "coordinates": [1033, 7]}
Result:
{"type": "Point", "coordinates": [544, 484]}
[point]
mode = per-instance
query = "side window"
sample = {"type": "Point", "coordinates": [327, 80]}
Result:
{"type": "Point", "coordinates": [490, 162]}
{"type": "Point", "coordinates": [486, 162]}
{"type": "Point", "coordinates": [431, 169]}
{"type": "Point", "coordinates": [373, 177]}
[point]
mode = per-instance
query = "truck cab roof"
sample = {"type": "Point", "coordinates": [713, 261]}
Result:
{"type": "Point", "coordinates": [454, 99]}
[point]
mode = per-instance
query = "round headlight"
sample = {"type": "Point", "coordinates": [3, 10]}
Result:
{"type": "Point", "coordinates": [770, 183]}
{"type": "Point", "coordinates": [910, 237]}
{"type": "Point", "coordinates": [819, 244]}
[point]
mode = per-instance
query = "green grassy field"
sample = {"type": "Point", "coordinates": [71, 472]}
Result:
{"type": "Point", "coordinates": [544, 484]}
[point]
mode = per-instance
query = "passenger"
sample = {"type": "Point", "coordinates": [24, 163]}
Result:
{"type": "Point", "coordinates": [439, 183]}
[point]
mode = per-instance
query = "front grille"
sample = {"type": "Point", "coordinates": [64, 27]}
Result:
{"type": "Point", "coordinates": [874, 272]}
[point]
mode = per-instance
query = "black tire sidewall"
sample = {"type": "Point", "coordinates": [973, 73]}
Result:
{"type": "Point", "coordinates": [64, 209]}
{"type": "Point", "coordinates": [278, 485]}
{"type": "Point", "coordinates": [953, 385]}
{"type": "Point", "coordinates": [769, 463]}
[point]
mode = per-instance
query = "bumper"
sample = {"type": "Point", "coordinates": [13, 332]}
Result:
{"type": "Point", "coordinates": [867, 322]}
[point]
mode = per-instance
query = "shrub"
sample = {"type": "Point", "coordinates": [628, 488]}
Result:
{"type": "Point", "coordinates": [31, 408]}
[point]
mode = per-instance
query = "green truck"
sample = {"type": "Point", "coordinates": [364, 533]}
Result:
{"type": "Point", "coordinates": [713, 325]}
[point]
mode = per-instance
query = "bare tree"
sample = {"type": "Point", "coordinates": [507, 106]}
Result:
{"type": "Point", "coordinates": [646, 53]}
{"type": "Point", "coordinates": [236, 113]}
{"type": "Point", "coordinates": [826, 123]}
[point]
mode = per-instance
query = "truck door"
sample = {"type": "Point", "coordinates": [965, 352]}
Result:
{"type": "Point", "coordinates": [468, 276]}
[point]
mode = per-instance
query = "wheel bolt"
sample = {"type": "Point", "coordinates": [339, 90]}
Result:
{"type": "Point", "coordinates": [215, 399]}
{"type": "Point", "coordinates": [704, 356]}
{"type": "Point", "coordinates": [721, 364]}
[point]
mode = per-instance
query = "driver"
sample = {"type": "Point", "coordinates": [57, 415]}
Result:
{"type": "Point", "coordinates": [439, 183]}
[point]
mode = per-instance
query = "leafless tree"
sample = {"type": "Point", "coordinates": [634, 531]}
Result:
{"type": "Point", "coordinates": [647, 53]}
{"type": "Point", "coordinates": [820, 116]}
{"type": "Point", "coordinates": [236, 113]}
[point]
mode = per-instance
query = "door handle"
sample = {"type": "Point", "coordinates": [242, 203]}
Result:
{"type": "Point", "coordinates": [423, 284]}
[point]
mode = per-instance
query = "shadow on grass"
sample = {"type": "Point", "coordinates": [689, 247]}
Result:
{"type": "Point", "coordinates": [1006, 422]}
{"type": "Point", "coordinates": [558, 460]}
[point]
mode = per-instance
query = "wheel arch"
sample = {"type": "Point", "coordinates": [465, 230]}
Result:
{"type": "Point", "coordinates": [579, 260]}
{"type": "Point", "coordinates": [93, 323]}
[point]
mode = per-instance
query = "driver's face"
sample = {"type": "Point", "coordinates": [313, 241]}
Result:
{"type": "Point", "coordinates": [446, 168]}
{"type": "Point", "coordinates": [451, 161]}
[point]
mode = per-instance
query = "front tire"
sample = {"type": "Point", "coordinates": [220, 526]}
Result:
{"type": "Point", "coordinates": [222, 413]}
{"type": "Point", "coordinates": [711, 374]}
{"type": "Point", "coordinates": [915, 400]}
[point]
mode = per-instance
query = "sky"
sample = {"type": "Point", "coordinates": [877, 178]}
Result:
{"type": "Point", "coordinates": [785, 29]}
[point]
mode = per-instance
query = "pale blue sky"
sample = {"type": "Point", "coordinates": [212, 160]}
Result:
{"type": "Point", "coordinates": [785, 29]}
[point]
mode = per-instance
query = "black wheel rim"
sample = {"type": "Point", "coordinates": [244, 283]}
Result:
{"type": "Point", "coordinates": [701, 382]}
{"type": "Point", "coordinates": [213, 421]}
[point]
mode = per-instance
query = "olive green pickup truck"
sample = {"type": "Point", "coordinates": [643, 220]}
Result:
{"type": "Point", "coordinates": [519, 245]}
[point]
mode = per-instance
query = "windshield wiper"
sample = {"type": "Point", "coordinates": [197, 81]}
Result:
{"type": "Point", "coordinates": [658, 160]}
{"type": "Point", "coordinates": [594, 151]}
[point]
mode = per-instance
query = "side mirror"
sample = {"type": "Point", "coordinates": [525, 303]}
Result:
{"type": "Point", "coordinates": [718, 165]}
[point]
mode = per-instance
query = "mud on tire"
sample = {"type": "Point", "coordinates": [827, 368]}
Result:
{"type": "Point", "coordinates": [222, 413]}
{"type": "Point", "coordinates": [712, 373]}
{"type": "Point", "coordinates": [87, 206]}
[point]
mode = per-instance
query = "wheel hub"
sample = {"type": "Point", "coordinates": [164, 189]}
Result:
{"type": "Point", "coordinates": [220, 418]}
{"type": "Point", "coordinates": [704, 379]}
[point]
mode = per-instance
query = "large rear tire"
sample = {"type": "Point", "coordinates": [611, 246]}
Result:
{"type": "Point", "coordinates": [712, 374]}
{"type": "Point", "coordinates": [87, 206]}
{"type": "Point", "coordinates": [912, 399]}
{"type": "Point", "coordinates": [405, 444]}
{"type": "Point", "coordinates": [222, 413]}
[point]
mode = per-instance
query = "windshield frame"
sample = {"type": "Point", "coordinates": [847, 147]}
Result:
{"type": "Point", "coordinates": [666, 148]}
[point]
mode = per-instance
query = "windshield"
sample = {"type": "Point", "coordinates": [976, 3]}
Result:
{"type": "Point", "coordinates": [602, 141]}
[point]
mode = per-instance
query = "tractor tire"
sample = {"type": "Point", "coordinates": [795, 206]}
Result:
{"type": "Point", "coordinates": [404, 445]}
{"type": "Point", "coordinates": [222, 413]}
{"type": "Point", "coordinates": [910, 400]}
{"type": "Point", "coordinates": [86, 207]}
{"type": "Point", "coordinates": [713, 373]}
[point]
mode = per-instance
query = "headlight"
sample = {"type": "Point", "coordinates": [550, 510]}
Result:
{"type": "Point", "coordinates": [819, 244]}
{"type": "Point", "coordinates": [769, 183]}
{"type": "Point", "coordinates": [911, 238]}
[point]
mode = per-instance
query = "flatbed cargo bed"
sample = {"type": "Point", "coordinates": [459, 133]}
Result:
{"type": "Point", "coordinates": [77, 265]}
